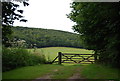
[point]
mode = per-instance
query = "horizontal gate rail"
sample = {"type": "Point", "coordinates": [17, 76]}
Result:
{"type": "Point", "coordinates": [75, 54]}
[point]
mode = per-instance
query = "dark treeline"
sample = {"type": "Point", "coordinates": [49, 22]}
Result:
{"type": "Point", "coordinates": [37, 37]}
{"type": "Point", "coordinates": [99, 25]}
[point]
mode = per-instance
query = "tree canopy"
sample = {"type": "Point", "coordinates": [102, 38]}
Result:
{"type": "Point", "coordinates": [99, 26]}
{"type": "Point", "coordinates": [10, 13]}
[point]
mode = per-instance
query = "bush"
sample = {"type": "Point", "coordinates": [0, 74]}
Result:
{"type": "Point", "coordinates": [17, 57]}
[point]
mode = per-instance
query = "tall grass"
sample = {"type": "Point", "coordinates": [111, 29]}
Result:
{"type": "Point", "coordinates": [17, 57]}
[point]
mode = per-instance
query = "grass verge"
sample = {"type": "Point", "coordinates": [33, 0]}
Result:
{"type": "Point", "coordinates": [92, 72]}
{"type": "Point", "coordinates": [30, 72]}
{"type": "Point", "coordinates": [96, 71]}
{"type": "Point", "coordinates": [33, 72]}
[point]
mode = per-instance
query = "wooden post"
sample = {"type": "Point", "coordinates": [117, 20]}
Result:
{"type": "Point", "coordinates": [95, 56]}
{"type": "Point", "coordinates": [59, 57]}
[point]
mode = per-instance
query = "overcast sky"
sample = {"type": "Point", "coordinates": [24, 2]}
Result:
{"type": "Point", "coordinates": [49, 14]}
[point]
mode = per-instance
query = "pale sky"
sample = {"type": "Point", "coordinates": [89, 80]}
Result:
{"type": "Point", "coordinates": [48, 14]}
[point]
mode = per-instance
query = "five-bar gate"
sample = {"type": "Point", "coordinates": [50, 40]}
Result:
{"type": "Point", "coordinates": [75, 58]}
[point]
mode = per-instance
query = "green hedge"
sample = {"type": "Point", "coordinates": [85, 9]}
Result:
{"type": "Point", "coordinates": [17, 57]}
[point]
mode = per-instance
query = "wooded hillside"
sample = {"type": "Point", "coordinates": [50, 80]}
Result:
{"type": "Point", "coordinates": [46, 37]}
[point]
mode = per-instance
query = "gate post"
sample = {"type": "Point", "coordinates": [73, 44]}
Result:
{"type": "Point", "coordinates": [59, 57]}
{"type": "Point", "coordinates": [95, 56]}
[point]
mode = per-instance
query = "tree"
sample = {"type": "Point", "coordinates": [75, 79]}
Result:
{"type": "Point", "coordinates": [10, 13]}
{"type": "Point", "coordinates": [98, 25]}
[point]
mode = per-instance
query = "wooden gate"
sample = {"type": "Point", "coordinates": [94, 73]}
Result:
{"type": "Point", "coordinates": [75, 58]}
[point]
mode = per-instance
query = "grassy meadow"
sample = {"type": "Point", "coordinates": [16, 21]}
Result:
{"type": "Point", "coordinates": [64, 71]}
{"type": "Point", "coordinates": [52, 52]}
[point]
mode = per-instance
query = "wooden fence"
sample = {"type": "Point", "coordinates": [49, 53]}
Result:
{"type": "Point", "coordinates": [75, 58]}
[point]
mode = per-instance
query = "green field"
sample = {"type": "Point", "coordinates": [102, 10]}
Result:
{"type": "Point", "coordinates": [55, 71]}
{"type": "Point", "coordinates": [52, 52]}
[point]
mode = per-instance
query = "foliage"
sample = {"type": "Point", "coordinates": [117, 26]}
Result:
{"type": "Point", "coordinates": [37, 37]}
{"type": "Point", "coordinates": [6, 35]}
{"type": "Point", "coordinates": [17, 57]}
{"type": "Point", "coordinates": [10, 13]}
{"type": "Point", "coordinates": [99, 26]}
{"type": "Point", "coordinates": [18, 43]}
